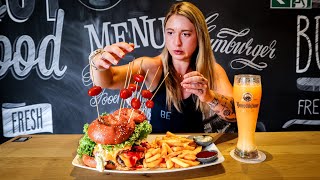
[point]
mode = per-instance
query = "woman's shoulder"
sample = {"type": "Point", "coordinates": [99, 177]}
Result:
{"type": "Point", "coordinates": [221, 81]}
{"type": "Point", "coordinates": [219, 71]}
{"type": "Point", "coordinates": [218, 68]}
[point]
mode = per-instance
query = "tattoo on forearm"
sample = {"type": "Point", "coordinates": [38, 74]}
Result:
{"type": "Point", "coordinates": [213, 103]}
{"type": "Point", "coordinates": [223, 106]}
{"type": "Point", "coordinates": [226, 112]}
{"type": "Point", "coordinates": [232, 106]}
{"type": "Point", "coordinates": [223, 97]}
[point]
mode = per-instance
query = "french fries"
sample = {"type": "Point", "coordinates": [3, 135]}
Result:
{"type": "Point", "coordinates": [172, 151]}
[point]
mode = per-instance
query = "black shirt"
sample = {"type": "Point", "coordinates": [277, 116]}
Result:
{"type": "Point", "coordinates": [162, 120]}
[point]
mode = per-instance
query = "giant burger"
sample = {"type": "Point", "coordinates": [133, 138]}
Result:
{"type": "Point", "coordinates": [115, 141]}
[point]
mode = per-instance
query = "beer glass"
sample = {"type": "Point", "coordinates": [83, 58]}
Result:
{"type": "Point", "coordinates": [247, 95]}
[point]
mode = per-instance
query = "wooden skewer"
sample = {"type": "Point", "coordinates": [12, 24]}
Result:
{"type": "Point", "coordinates": [140, 66]}
{"type": "Point", "coordinates": [159, 85]}
{"type": "Point", "coordinates": [136, 83]}
{"type": "Point", "coordinates": [144, 101]}
{"type": "Point", "coordinates": [130, 115]}
{"type": "Point", "coordinates": [131, 67]}
{"type": "Point", "coordinates": [120, 108]}
{"type": "Point", "coordinates": [125, 82]}
{"type": "Point", "coordinates": [95, 97]}
{"type": "Point", "coordinates": [153, 78]}
{"type": "Point", "coordinates": [99, 118]}
{"type": "Point", "coordinates": [145, 77]}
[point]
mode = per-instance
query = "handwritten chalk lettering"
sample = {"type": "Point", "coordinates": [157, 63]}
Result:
{"type": "Point", "coordinates": [121, 32]}
{"type": "Point", "coordinates": [310, 107]}
{"type": "Point", "coordinates": [104, 98]}
{"type": "Point", "coordinates": [125, 30]}
{"type": "Point", "coordinates": [222, 44]}
{"type": "Point", "coordinates": [21, 64]}
{"type": "Point", "coordinates": [86, 79]}
{"type": "Point", "coordinates": [27, 120]}
{"type": "Point", "coordinates": [20, 10]}
{"type": "Point", "coordinates": [302, 35]}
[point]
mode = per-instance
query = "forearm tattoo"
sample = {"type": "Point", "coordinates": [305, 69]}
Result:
{"type": "Point", "coordinates": [223, 106]}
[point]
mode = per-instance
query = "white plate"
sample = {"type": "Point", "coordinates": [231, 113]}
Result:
{"type": "Point", "coordinates": [78, 162]}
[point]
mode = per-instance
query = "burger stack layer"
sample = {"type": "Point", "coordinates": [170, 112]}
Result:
{"type": "Point", "coordinates": [115, 141]}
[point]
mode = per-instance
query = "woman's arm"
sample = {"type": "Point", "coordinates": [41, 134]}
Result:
{"type": "Point", "coordinates": [103, 73]}
{"type": "Point", "coordinates": [223, 106]}
{"type": "Point", "coordinates": [221, 101]}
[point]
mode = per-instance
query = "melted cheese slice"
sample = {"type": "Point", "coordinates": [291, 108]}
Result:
{"type": "Point", "coordinates": [102, 156]}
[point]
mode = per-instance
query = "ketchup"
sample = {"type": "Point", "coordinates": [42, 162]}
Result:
{"type": "Point", "coordinates": [206, 154]}
{"type": "Point", "coordinates": [134, 157]}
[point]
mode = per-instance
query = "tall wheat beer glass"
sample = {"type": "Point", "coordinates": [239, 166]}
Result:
{"type": "Point", "coordinates": [247, 93]}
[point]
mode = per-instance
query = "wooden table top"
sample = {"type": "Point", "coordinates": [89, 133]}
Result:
{"type": "Point", "coordinates": [289, 155]}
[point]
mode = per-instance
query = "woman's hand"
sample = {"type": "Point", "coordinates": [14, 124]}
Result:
{"type": "Point", "coordinates": [112, 54]}
{"type": "Point", "coordinates": [195, 83]}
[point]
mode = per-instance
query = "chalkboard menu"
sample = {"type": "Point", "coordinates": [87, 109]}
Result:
{"type": "Point", "coordinates": [44, 48]}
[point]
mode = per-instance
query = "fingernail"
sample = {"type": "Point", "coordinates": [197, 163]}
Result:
{"type": "Point", "coordinates": [130, 49]}
{"type": "Point", "coordinates": [107, 66]}
{"type": "Point", "coordinates": [115, 62]}
{"type": "Point", "coordinates": [121, 54]}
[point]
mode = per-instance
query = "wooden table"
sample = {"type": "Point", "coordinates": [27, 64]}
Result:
{"type": "Point", "coordinates": [289, 155]}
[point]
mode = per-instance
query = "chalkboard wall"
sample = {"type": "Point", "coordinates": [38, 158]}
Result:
{"type": "Point", "coordinates": [44, 75]}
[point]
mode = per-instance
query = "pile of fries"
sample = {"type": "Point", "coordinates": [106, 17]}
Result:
{"type": "Point", "coordinates": [171, 151]}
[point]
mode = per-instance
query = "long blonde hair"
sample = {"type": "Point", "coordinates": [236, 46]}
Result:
{"type": "Point", "coordinates": [202, 59]}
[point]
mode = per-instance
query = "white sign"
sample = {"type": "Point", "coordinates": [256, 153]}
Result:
{"type": "Point", "coordinates": [19, 119]}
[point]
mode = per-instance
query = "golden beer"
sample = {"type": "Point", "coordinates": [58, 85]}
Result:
{"type": "Point", "coordinates": [247, 95]}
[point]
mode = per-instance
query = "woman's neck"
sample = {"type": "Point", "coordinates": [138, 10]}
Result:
{"type": "Point", "coordinates": [181, 67]}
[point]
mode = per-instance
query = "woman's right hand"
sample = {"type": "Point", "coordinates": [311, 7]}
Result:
{"type": "Point", "coordinates": [112, 54]}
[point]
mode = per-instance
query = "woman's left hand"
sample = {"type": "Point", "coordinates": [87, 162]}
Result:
{"type": "Point", "coordinates": [195, 83]}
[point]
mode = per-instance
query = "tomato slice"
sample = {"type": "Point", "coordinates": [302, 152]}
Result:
{"type": "Point", "coordinates": [138, 78]}
{"type": "Point", "coordinates": [135, 103]}
{"type": "Point", "coordinates": [95, 90]}
{"type": "Point", "coordinates": [89, 161]}
{"type": "Point", "coordinates": [125, 93]}
{"type": "Point", "coordinates": [149, 104]}
{"type": "Point", "coordinates": [146, 94]}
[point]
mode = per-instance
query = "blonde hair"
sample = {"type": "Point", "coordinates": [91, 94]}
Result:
{"type": "Point", "coordinates": [202, 59]}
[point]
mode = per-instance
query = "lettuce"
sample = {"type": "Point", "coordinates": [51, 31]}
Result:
{"type": "Point", "coordinates": [86, 145]}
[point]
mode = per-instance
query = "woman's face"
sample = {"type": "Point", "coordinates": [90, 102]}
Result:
{"type": "Point", "coordinates": [180, 37]}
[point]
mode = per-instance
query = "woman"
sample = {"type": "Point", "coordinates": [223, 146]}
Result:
{"type": "Point", "coordinates": [196, 86]}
